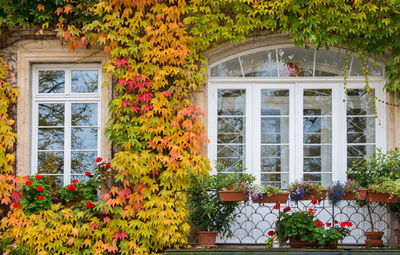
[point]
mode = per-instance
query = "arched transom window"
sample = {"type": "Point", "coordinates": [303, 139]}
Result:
{"type": "Point", "coordinates": [283, 114]}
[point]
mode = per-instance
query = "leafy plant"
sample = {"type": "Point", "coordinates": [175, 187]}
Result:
{"type": "Point", "coordinates": [257, 191]}
{"type": "Point", "coordinates": [297, 190]}
{"type": "Point", "coordinates": [336, 233]}
{"type": "Point", "coordinates": [37, 195]}
{"type": "Point", "coordinates": [207, 212]}
{"type": "Point", "coordinates": [238, 181]}
{"type": "Point", "coordinates": [336, 192]}
{"type": "Point", "coordinates": [387, 187]}
{"type": "Point", "coordinates": [353, 187]}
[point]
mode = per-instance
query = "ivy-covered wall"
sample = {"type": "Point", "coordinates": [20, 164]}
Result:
{"type": "Point", "coordinates": [156, 56]}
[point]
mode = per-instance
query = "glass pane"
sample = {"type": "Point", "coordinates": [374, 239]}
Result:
{"type": "Point", "coordinates": [82, 161]}
{"type": "Point", "coordinates": [231, 101]}
{"type": "Point", "coordinates": [56, 182]}
{"type": "Point", "coordinates": [231, 128]}
{"type": "Point", "coordinates": [274, 102]}
{"type": "Point", "coordinates": [84, 138]}
{"type": "Point", "coordinates": [361, 129]}
{"type": "Point", "coordinates": [359, 153]}
{"type": "Point", "coordinates": [84, 114]}
{"type": "Point", "coordinates": [317, 135]}
{"type": "Point", "coordinates": [359, 102]}
{"type": "Point", "coordinates": [50, 162]}
{"type": "Point", "coordinates": [84, 81]}
{"type": "Point", "coordinates": [274, 158]}
{"type": "Point", "coordinates": [330, 63]}
{"type": "Point", "coordinates": [51, 114]}
{"type": "Point", "coordinates": [296, 62]}
{"type": "Point", "coordinates": [280, 180]}
{"type": "Point", "coordinates": [230, 68]}
{"type": "Point", "coordinates": [51, 81]}
{"type": "Point", "coordinates": [51, 139]}
{"type": "Point", "coordinates": [323, 179]}
{"type": "Point", "coordinates": [275, 130]}
{"type": "Point", "coordinates": [260, 64]}
{"type": "Point", "coordinates": [356, 68]}
{"type": "Point", "coordinates": [79, 178]}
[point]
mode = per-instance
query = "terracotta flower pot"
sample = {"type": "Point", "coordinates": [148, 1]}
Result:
{"type": "Point", "coordinates": [73, 202]}
{"type": "Point", "coordinates": [232, 196]}
{"type": "Point", "coordinates": [294, 243]}
{"type": "Point", "coordinates": [362, 193]}
{"type": "Point", "coordinates": [315, 195]}
{"type": "Point", "coordinates": [381, 197]}
{"type": "Point", "coordinates": [280, 198]}
{"type": "Point", "coordinates": [206, 238]}
{"type": "Point", "coordinates": [373, 239]}
{"type": "Point", "coordinates": [332, 245]}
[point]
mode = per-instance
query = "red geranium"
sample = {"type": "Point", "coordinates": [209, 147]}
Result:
{"type": "Point", "coordinates": [328, 224]}
{"type": "Point", "coordinates": [286, 209]}
{"type": "Point", "coordinates": [336, 222]}
{"type": "Point", "coordinates": [28, 183]}
{"type": "Point", "coordinates": [71, 187]}
{"type": "Point", "coordinates": [90, 205]}
{"type": "Point", "coordinates": [39, 188]}
{"type": "Point", "coordinates": [241, 180]}
{"type": "Point", "coordinates": [319, 224]}
{"type": "Point", "coordinates": [40, 197]}
{"type": "Point", "coordinates": [15, 205]}
{"type": "Point", "coordinates": [88, 174]}
{"type": "Point", "coordinates": [75, 181]}
{"type": "Point", "coordinates": [277, 206]}
{"type": "Point", "coordinates": [230, 187]}
{"type": "Point", "coordinates": [271, 233]}
{"type": "Point", "coordinates": [314, 202]}
{"type": "Point", "coordinates": [38, 177]}
{"type": "Point", "coordinates": [343, 224]}
{"type": "Point", "coordinates": [108, 166]}
{"type": "Point", "coordinates": [99, 159]}
{"type": "Point", "coordinates": [349, 223]}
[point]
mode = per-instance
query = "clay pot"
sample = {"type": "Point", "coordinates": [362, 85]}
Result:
{"type": "Point", "coordinates": [73, 202]}
{"type": "Point", "coordinates": [232, 196]}
{"type": "Point", "coordinates": [294, 243]}
{"type": "Point", "coordinates": [206, 238]}
{"type": "Point", "coordinates": [280, 198]}
{"type": "Point", "coordinates": [315, 195]}
{"type": "Point", "coordinates": [373, 239]}
{"type": "Point", "coordinates": [381, 197]}
{"type": "Point", "coordinates": [332, 245]}
{"type": "Point", "coordinates": [362, 193]}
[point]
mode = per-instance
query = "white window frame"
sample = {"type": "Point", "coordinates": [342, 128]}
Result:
{"type": "Point", "coordinates": [339, 128]}
{"type": "Point", "coordinates": [66, 98]}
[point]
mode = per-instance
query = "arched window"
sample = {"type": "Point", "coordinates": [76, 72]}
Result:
{"type": "Point", "coordinates": [284, 115]}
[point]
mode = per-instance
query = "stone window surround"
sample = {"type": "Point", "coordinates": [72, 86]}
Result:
{"type": "Point", "coordinates": [43, 52]}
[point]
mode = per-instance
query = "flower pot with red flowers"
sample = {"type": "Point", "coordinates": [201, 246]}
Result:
{"type": "Point", "coordinates": [267, 194]}
{"type": "Point", "coordinates": [207, 212]}
{"type": "Point", "coordinates": [306, 191]}
{"type": "Point", "coordinates": [233, 187]}
{"type": "Point", "coordinates": [36, 194]}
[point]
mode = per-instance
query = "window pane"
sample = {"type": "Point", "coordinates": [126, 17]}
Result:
{"type": "Point", "coordinates": [84, 114]}
{"type": "Point", "coordinates": [82, 161]}
{"type": "Point", "coordinates": [356, 68]}
{"type": "Point", "coordinates": [280, 180]}
{"type": "Point", "coordinates": [84, 81]}
{"type": "Point", "coordinates": [51, 114]}
{"type": "Point", "coordinates": [84, 138]}
{"type": "Point", "coordinates": [231, 129]}
{"type": "Point", "coordinates": [296, 62]}
{"type": "Point", "coordinates": [274, 102]}
{"type": "Point", "coordinates": [79, 178]}
{"type": "Point", "coordinates": [50, 162]}
{"type": "Point", "coordinates": [330, 63]}
{"type": "Point", "coordinates": [361, 124]}
{"type": "Point", "coordinates": [260, 64]}
{"type": "Point", "coordinates": [317, 135]}
{"type": "Point", "coordinates": [230, 68]}
{"type": "Point", "coordinates": [51, 81]}
{"type": "Point", "coordinates": [274, 130]}
{"type": "Point", "coordinates": [51, 139]}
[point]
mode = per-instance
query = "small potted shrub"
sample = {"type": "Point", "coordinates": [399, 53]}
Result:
{"type": "Point", "coordinates": [267, 194]}
{"type": "Point", "coordinates": [306, 191]}
{"type": "Point", "coordinates": [208, 214]}
{"type": "Point", "coordinates": [375, 174]}
{"type": "Point", "coordinates": [37, 194]}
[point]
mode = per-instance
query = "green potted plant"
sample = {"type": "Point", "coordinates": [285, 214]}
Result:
{"type": "Point", "coordinates": [375, 174]}
{"type": "Point", "coordinates": [37, 195]}
{"type": "Point", "coordinates": [267, 194]}
{"type": "Point", "coordinates": [208, 214]}
{"type": "Point", "coordinates": [306, 191]}
{"type": "Point", "coordinates": [234, 186]}
{"type": "Point", "coordinates": [350, 190]}
{"type": "Point", "coordinates": [303, 230]}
